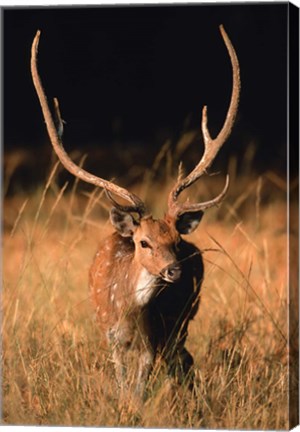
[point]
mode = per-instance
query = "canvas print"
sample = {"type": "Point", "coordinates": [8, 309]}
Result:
{"type": "Point", "coordinates": [150, 216]}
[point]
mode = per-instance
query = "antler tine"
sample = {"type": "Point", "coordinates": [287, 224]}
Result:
{"type": "Point", "coordinates": [188, 207]}
{"type": "Point", "coordinates": [126, 209]}
{"type": "Point", "coordinates": [55, 138]}
{"type": "Point", "coordinates": [211, 146]}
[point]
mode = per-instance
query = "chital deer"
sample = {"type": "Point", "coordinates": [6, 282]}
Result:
{"type": "Point", "coordinates": [145, 278]}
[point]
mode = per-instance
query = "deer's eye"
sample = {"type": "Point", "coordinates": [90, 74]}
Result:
{"type": "Point", "coordinates": [144, 244]}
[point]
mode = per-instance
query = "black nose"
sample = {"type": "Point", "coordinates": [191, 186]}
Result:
{"type": "Point", "coordinates": [171, 273]}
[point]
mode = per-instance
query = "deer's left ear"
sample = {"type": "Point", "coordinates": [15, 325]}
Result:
{"type": "Point", "coordinates": [188, 222]}
{"type": "Point", "coordinates": [124, 222]}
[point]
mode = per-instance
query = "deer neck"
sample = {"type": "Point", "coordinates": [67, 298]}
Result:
{"type": "Point", "coordinates": [143, 283]}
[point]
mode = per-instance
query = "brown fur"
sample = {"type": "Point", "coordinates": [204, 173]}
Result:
{"type": "Point", "coordinates": [160, 324]}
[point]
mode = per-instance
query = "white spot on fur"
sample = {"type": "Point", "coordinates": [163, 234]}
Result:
{"type": "Point", "coordinates": [98, 308]}
{"type": "Point", "coordinates": [144, 287]}
{"type": "Point", "coordinates": [114, 287]}
{"type": "Point", "coordinates": [118, 254]}
{"type": "Point", "coordinates": [98, 290]}
{"type": "Point", "coordinates": [126, 276]}
{"type": "Point", "coordinates": [112, 297]}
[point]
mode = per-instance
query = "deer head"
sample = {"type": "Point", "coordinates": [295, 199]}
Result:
{"type": "Point", "coordinates": [155, 240]}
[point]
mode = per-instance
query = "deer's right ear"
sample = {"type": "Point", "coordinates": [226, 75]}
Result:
{"type": "Point", "coordinates": [124, 222]}
{"type": "Point", "coordinates": [188, 222]}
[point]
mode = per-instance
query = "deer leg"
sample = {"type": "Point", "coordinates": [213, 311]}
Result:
{"type": "Point", "coordinates": [146, 360]}
{"type": "Point", "coordinates": [180, 366]}
{"type": "Point", "coordinates": [119, 364]}
{"type": "Point", "coordinates": [119, 344]}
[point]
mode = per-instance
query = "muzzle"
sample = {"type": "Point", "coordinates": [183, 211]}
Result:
{"type": "Point", "coordinates": [171, 273]}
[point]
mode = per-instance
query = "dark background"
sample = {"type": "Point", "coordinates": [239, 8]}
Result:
{"type": "Point", "coordinates": [130, 77]}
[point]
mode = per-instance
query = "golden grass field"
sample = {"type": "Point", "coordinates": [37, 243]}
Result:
{"type": "Point", "coordinates": [53, 370]}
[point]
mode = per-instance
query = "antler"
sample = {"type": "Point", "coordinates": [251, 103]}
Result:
{"type": "Point", "coordinates": [137, 204]}
{"type": "Point", "coordinates": [211, 146]}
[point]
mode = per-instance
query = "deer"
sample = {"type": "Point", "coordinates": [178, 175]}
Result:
{"type": "Point", "coordinates": [145, 279]}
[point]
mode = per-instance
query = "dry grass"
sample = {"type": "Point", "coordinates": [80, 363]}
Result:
{"type": "Point", "coordinates": [53, 370]}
